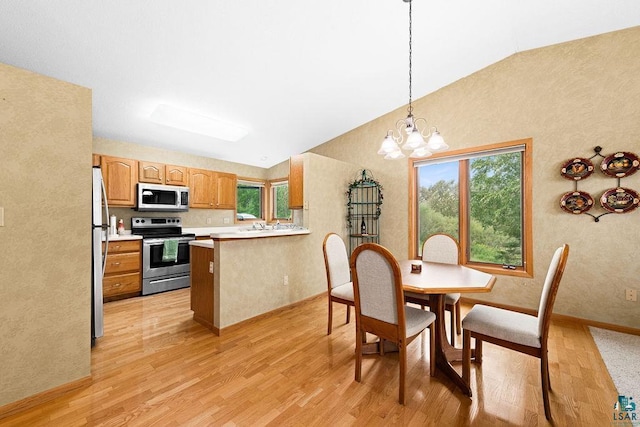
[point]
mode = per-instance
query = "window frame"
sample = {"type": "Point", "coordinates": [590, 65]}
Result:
{"type": "Point", "coordinates": [271, 195]}
{"type": "Point", "coordinates": [260, 183]}
{"type": "Point", "coordinates": [527, 207]}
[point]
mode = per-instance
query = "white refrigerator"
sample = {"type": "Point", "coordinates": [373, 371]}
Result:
{"type": "Point", "coordinates": [98, 259]}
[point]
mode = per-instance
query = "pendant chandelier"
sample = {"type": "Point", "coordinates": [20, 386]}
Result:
{"type": "Point", "coordinates": [408, 136]}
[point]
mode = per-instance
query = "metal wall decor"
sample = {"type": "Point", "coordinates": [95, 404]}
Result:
{"type": "Point", "coordinates": [615, 200]}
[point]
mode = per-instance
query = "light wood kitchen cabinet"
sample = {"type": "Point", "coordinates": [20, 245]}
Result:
{"type": "Point", "coordinates": [122, 277]}
{"type": "Point", "coordinates": [296, 170]}
{"type": "Point", "coordinates": [120, 178]}
{"type": "Point", "coordinates": [160, 173]}
{"type": "Point", "coordinates": [226, 190]}
{"type": "Point", "coordinates": [202, 283]}
{"type": "Point", "coordinates": [176, 175]}
{"type": "Point", "coordinates": [151, 172]}
{"type": "Point", "coordinates": [201, 188]}
{"type": "Point", "coordinates": [212, 190]}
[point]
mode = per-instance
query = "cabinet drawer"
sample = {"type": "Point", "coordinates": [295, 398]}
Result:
{"type": "Point", "coordinates": [124, 246]}
{"type": "Point", "coordinates": [121, 262]}
{"type": "Point", "coordinates": [121, 284]}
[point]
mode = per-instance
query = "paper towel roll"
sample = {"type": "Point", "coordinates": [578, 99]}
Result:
{"type": "Point", "coordinates": [113, 230]}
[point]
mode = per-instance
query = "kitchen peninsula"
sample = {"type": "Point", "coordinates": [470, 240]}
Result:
{"type": "Point", "coordinates": [242, 273]}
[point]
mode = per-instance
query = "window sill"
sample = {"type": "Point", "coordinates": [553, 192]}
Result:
{"type": "Point", "coordinates": [499, 271]}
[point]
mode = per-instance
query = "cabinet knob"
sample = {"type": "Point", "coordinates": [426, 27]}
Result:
{"type": "Point", "coordinates": [115, 263]}
{"type": "Point", "coordinates": [117, 285]}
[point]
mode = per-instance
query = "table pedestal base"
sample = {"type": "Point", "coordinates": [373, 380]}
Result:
{"type": "Point", "coordinates": [445, 352]}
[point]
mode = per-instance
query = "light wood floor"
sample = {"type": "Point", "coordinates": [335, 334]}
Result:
{"type": "Point", "coordinates": [156, 366]}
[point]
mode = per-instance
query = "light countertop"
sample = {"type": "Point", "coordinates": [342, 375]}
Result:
{"type": "Point", "coordinates": [206, 231]}
{"type": "Point", "coordinates": [122, 237]}
{"type": "Point", "coordinates": [206, 243]}
{"type": "Point", "coordinates": [253, 234]}
{"type": "Point", "coordinates": [244, 232]}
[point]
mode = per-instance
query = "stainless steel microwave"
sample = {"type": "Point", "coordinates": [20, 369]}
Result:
{"type": "Point", "coordinates": [162, 198]}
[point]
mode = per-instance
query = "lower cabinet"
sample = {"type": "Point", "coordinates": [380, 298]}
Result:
{"type": "Point", "coordinates": [122, 277]}
{"type": "Point", "coordinates": [202, 283]}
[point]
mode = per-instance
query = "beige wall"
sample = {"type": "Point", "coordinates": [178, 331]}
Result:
{"type": "Point", "coordinates": [45, 262]}
{"type": "Point", "coordinates": [569, 98]}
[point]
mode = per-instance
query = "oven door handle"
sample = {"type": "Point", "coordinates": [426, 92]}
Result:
{"type": "Point", "coordinates": [160, 241]}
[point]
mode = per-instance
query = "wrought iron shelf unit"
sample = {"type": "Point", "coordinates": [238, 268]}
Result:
{"type": "Point", "coordinates": [364, 201]}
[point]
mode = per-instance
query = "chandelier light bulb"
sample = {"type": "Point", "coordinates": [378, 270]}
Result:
{"type": "Point", "coordinates": [420, 152]}
{"type": "Point", "coordinates": [436, 142]}
{"type": "Point", "coordinates": [414, 140]}
{"type": "Point", "coordinates": [398, 154]}
{"type": "Point", "coordinates": [388, 145]}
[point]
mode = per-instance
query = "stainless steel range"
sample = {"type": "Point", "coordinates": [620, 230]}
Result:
{"type": "Point", "coordinates": [158, 274]}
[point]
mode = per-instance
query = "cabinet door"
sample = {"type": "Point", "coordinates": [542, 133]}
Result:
{"type": "Point", "coordinates": [120, 178]}
{"type": "Point", "coordinates": [151, 172]}
{"type": "Point", "coordinates": [226, 190]}
{"type": "Point", "coordinates": [201, 188]}
{"type": "Point", "coordinates": [113, 286]}
{"type": "Point", "coordinates": [176, 175]}
{"type": "Point", "coordinates": [296, 170]}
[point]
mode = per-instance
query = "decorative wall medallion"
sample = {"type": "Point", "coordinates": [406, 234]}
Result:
{"type": "Point", "coordinates": [620, 164]}
{"type": "Point", "coordinates": [576, 202]}
{"type": "Point", "coordinates": [576, 169]}
{"type": "Point", "coordinates": [619, 200]}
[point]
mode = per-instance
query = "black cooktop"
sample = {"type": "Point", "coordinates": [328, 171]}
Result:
{"type": "Point", "coordinates": [158, 228]}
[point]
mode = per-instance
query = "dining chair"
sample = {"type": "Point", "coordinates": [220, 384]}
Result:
{"type": "Point", "coordinates": [381, 310]}
{"type": "Point", "coordinates": [444, 249]}
{"type": "Point", "coordinates": [339, 286]}
{"type": "Point", "coordinates": [514, 330]}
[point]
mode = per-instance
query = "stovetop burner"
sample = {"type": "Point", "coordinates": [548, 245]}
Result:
{"type": "Point", "coordinates": [164, 235]}
{"type": "Point", "coordinates": [150, 227]}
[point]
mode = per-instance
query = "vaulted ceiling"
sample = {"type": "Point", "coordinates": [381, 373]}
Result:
{"type": "Point", "coordinates": [294, 73]}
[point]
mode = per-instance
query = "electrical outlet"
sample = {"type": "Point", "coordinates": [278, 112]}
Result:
{"type": "Point", "coordinates": [1, 217]}
{"type": "Point", "coordinates": [631, 295]}
{"type": "Point", "coordinates": [285, 280]}
{"type": "Point", "coordinates": [225, 221]}
{"type": "Point", "coordinates": [209, 220]}
{"type": "Point", "coordinates": [211, 267]}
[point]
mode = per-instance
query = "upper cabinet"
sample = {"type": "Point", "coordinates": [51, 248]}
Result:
{"type": "Point", "coordinates": [201, 189]}
{"type": "Point", "coordinates": [159, 173]}
{"type": "Point", "coordinates": [212, 190]}
{"type": "Point", "coordinates": [151, 172]}
{"type": "Point", "coordinates": [120, 178]}
{"type": "Point", "coordinates": [296, 169]}
{"type": "Point", "coordinates": [226, 190]}
{"type": "Point", "coordinates": [176, 175]}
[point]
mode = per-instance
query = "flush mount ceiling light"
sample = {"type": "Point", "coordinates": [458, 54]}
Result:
{"type": "Point", "coordinates": [407, 133]}
{"type": "Point", "coordinates": [168, 115]}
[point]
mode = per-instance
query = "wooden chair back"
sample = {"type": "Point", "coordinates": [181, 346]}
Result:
{"type": "Point", "coordinates": [550, 289]}
{"type": "Point", "coordinates": [378, 294]}
{"type": "Point", "coordinates": [441, 248]}
{"type": "Point", "coordinates": [336, 261]}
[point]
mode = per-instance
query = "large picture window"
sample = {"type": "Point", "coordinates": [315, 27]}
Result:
{"type": "Point", "coordinates": [481, 197]}
{"type": "Point", "coordinates": [250, 200]}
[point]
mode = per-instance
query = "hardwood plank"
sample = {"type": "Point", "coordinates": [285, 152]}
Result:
{"type": "Point", "coordinates": [156, 366]}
